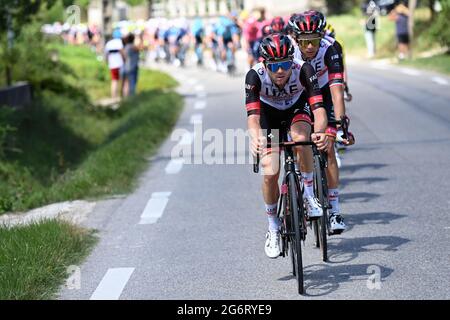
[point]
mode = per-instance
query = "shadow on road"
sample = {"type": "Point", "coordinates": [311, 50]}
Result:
{"type": "Point", "coordinates": [356, 167]}
{"type": "Point", "coordinates": [322, 279]}
{"type": "Point", "coordinates": [343, 182]}
{"type": "Point", "coordinates": [358, 219]}
{"type": "Point", "coordinates": [358, 197]}
{"type": "Point", "coordinates": [347, 249]}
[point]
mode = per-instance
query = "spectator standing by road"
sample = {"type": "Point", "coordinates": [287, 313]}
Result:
{"type": "Point", "coordinates": [400, 14]}
{"type": "Point", "coordinates": [114, 55]}
{"type": "Point", "coordinates": [371, 11]}
{"type": "Point", "coordinates": [131, 66]}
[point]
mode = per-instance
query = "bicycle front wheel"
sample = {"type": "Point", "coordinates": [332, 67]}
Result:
{"type": "Point", "coordinates": [295, 205]}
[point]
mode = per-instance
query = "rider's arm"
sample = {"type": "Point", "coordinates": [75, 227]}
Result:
{"type": "Point", "coordinates": [253, 106]}
{"type": "Point", "coordinates": [333, 61]}
{"type": "Point", "coordinates": [308, 78]}
{"type": "Point", "coordinates": [337, 45]}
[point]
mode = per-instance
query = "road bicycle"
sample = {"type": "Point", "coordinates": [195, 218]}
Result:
{"type": "Point", "coordinates": [321, 226]}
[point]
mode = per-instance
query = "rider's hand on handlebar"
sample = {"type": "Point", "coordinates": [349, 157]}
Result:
{"type": "Point", "coordinates": [349, 141]}
{"type": "Point", "coordinates": [321, 140]}
{"type": "Point", "coordinates": [257, 145]}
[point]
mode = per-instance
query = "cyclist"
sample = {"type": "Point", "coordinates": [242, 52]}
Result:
{"type": "Point", "coordinates": [198, 32]}
{"type": "Point", "coordinates": [281, 89]}
{"type": "Point", "coordinates": [227, 33]}
{"type": "Point", "coordinates": [330, 36]}
{"type": "Point", "coordinates": [327, 62]}
{"type": "Point", "coordinates": [250, 32]}
{"type": "Point", "coordinates": [278, 25]}
{"type": "Point", "coordinates": [266, 29]}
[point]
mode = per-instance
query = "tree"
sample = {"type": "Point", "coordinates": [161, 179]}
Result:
{"type": "Point", "coordinates": [14, 14]}
{"type": "Point", "coordinates": [440, 29]}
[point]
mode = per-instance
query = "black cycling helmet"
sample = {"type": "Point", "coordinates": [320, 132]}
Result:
{"type": "Point", "coordinates": [276, 47]}
{"type": "Point", "coordinates": [277, 24]}
{"type": "Point", "coordinates": [307, 23]}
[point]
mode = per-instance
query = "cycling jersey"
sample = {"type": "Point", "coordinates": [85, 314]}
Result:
{"type": "Point", "coordinates": [327, 63]}
{"type": "Point", "coordinates": [330, 72]}
{"type": "Point", "coordinates": [260, 88]}
{"type": "Point", "coordinates": [336, 44]}
{"type": "Point", "coordinates": [226, 28]}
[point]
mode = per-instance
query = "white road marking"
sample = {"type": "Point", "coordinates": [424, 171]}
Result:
{"type": "Point", "coordinates": [199, 88]}
{"type": "Point", "coordinates": [201, 94]}
{"type": "Point", "coordinates": [410, 72]}
{"type": "Point", "coordinates": [155, 207]}
{"type": "Point", "coordinates": [200, 105]}
{"type": "Point", "coordinates": [379, 65]}
{"type": "Point", "coordinates": [196, 119]}
{"type": "Point", "coordinates": [440, 81]}
{"type": "Point", "coordinates": [112, 284]}
{"type": "Point", "coordinates": [174, 166]}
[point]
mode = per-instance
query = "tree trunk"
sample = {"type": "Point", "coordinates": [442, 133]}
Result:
{"type": "Point", "coordinates": [412, 4]}
{"type": "Point", "coordinates": [431, 7]}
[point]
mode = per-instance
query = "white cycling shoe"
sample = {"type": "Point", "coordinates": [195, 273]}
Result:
{"type": "Point", "coordinates": [337, 224]}
{"type": "Point", "coordinates": [272, 247]}
{"type": "Point", "coordinates": [313, 207]}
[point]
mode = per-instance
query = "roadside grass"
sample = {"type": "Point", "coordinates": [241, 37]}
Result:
{"type": "Point", "coordinates": [350, 29]}
{"type": "Point", "coordinates": [438, 63]}
{"type": "Point", "coordinates": [64, 148]}
{"type": "Point", "coordinates": [34, 258]}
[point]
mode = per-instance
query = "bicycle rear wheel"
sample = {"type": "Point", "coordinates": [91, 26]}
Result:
{"type": "Point", "coordinates": [295, 205]}
{"type": "Point", "coordinates": [321, 194]}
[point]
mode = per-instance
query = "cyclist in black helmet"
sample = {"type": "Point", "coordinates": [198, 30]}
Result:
{"type": "Point", "coordinates": [282, 90]}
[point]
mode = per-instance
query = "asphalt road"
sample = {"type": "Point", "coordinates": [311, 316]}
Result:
{"type": "Point", "coordinates": [208, 241]}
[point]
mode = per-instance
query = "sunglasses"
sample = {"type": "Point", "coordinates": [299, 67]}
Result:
{"type": "Point", "coordinates": [305, 42]}
{"type": "Point", "coordinates": [274, 66]}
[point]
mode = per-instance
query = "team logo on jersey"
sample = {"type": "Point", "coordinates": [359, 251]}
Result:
{"type": "Point", "coordinates": [307, 109]}
{"type": "Point", "coordinates": [261, 71]}
{"type": "Point", "coordinates": [313, 78]}
{"type": "Point", "coordinates": [334, 57]}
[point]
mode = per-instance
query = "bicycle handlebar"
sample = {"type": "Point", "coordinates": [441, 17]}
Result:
{"type": "Point", "coordinates": [344, 123]}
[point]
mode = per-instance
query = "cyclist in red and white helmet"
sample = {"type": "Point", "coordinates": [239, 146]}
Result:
{"type": "Point", "coordinates": [278, 24]}
{"type": "Point", "coordinates": [280, 89]}
{"type": "Point", "coordinates": [308, 32]}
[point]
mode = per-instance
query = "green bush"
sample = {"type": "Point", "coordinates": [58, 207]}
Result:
{"type": "Point", "coordinates": [440, 29]}
{"type": "Point", "coordinates": [31, 61]}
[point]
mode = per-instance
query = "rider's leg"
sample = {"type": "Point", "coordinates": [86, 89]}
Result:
{"type": "Point", "coordinates": [332, 173]}
{"type": "Point", "coordinates": [271, 193]}
{"type": "Point", "coordinates": [301, 132]}
{"type": "Point", "coordinates": [270, 165]}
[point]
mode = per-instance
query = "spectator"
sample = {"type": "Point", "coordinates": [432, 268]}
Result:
{"type": "Point", "coordinates": [400, 14]}
{"type": "Point", "coordinates": [114, 54]}
{"type": "Point", "coordinates": [131, 66]}
{"type": "Point", "coordinates": [371, 10]}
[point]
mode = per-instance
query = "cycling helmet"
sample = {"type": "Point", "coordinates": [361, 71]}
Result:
{"type": "Point", "coordinates": [322, 18]}
{"type": "Point", "coordinates": [277, 24]}
{"type": "Point", "coordinates": [306, 23]}
{"type": "Point", "coordinates": [276, 47]}
{"type": "Point", "coordinates": [266, 30]}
